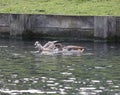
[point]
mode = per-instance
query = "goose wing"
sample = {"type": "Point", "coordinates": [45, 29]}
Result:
{"type": "Point", "coordinates": [50, 44]}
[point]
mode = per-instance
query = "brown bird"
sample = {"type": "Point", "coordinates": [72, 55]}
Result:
{"type": "Point", "coordinates": [73, 47]}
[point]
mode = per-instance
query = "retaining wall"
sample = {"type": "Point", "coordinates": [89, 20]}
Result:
{"type": "Point", "coordinates": [60, 26]}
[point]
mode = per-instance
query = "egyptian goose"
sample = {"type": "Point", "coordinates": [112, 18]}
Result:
{"type": "Point", "coordinates": [49, 46]}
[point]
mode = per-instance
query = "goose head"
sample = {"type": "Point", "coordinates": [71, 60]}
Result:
{"type": "Point", "coordinates": [39, 46]}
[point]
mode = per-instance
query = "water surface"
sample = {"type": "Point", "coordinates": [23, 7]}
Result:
{"type": "Point", "coordinates": [95, 72]}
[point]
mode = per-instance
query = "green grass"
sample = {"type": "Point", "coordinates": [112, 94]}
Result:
{"type": "Point", "coordinates": [61, 7]}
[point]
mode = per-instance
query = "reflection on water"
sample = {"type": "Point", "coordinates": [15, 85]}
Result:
{"type": "Point", "coordinates": [94, 72]}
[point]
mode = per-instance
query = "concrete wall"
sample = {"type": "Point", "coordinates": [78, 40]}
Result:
{"type": "Point", "coordinates": [105, 26]}
{"type": "Point", "coordinates": [59, 25]}
{"type": "Point", "coordinates": [70, 26]}
{"type": "Point", "coordinates": [4, 23]}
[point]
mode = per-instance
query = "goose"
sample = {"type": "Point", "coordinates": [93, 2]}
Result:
{"type": "Point", "coordinates": [72, 50]}
{"type": "Point", "coordinates": [48, 47]}
{"type": "Point", "coordinates": [61, 47]}
{"type": "Point", "coordinates": [73, 47]}
{"type": "Point", "coordinates": [68, 50]}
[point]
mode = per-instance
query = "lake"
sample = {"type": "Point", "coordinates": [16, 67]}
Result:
{"type": "Point", "coordinates": [95, 72]}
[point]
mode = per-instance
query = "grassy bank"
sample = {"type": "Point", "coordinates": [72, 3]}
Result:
{"type": "Point", "coordinates": [62, 7]}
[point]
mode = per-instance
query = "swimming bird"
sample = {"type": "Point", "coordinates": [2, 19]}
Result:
{"type": "Point", "coordinates": [61, 47]}
{"type": "Point", "coordinates": [73, 47]}
{"type": "Point", "coordinates": [49, 46]}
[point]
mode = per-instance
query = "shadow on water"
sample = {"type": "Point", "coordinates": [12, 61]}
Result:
{"type": "Point", "coordinates": [96, 72]}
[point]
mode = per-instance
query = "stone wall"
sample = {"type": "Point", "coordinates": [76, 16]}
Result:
{"type": "Point", "coordinates": [104, 26]}
{"type": "Point", "coordinates": [65, 26]}
{"type": "Point", "coordinates": [59, 25]}
{"type": "Point", "coordinates": [4, 23]}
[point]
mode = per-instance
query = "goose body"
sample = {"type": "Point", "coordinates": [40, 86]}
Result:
{"type": "Point", "coordinates": [75, 48]}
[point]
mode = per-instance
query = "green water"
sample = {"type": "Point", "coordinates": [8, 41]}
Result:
{"type": "Point", "coordinates": [95, 72]}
